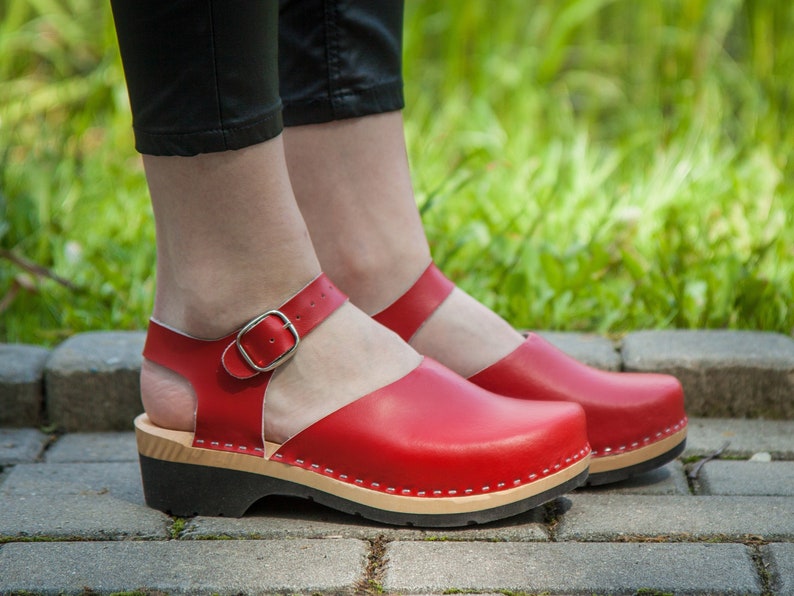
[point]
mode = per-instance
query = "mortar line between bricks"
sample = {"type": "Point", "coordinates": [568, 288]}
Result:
{"type": "Point", "coordinates": [761, 569]}
{"type": "Point", "coordinates": [619, 349]}
{"type": "Point", "coordinates": [371, 582]}
{"type": "Point", "coordinates": [177, 527]}
{"type": "Point", "coordinates": [52, 438]}
{"type": "Point", "coordinates": [551, 518]}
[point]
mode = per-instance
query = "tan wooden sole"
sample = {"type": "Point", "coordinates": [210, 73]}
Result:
{"type": "Point", "coordinates": [609, 463]}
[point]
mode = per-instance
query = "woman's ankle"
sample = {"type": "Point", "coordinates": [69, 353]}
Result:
{"type": "Point", "coordinates": [373, 281]}
{"type": "Point", "coordinates": [221, 301]}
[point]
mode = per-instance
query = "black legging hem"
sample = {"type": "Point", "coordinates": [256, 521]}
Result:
{"type": "Point", "coordinates": [387, 97]}
{"type": "Point", "coordinates": [227, 138]}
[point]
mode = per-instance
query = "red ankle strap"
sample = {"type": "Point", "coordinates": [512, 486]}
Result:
{"type": "Point", "coordinates": [409, 312]}
{"type": "Point", "coordinates": [230, 374]}
{"type": "Point", "coordinates": [271, 339]}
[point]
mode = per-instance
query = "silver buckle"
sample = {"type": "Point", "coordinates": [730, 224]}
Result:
{"type": "Point", "coordinates": [281, 359]}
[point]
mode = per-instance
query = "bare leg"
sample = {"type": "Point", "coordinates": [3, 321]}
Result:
{"type": "Point", "coordinates": [231, 244]}
{"type": "Point", "coordinates": [352, 182]}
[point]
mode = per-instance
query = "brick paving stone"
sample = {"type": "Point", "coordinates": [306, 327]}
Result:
{"type": "Point", "coordinates": [93, 447]}
{"type": "Point", "coordinates": [724, 373]}
{"type": "Point", "coordinates": [781, 560]}
{"type": "Point", "coordinates": [667, 480]}
{"type": "Point", "coordinates": [92, 381]}
{"type": "Point", "coordinates": [569, 568]}
{"type": "Point", "coordinates": [184, 567]}
{"type": "Point", "coordinates": [746, 437]}
{"type": "Point", "coordinates": [277, 517]}
{"type": "Point", "coordinates": [21, 384]}
{"type": "Point", "coordinates": [89, 516]}
{"type": "Point", "coordinates": [88, 500]}
{"type": "Point", "coordinates": [119, 479]}
{"type": "Point", "coordinates": [591, 349]}
{"type": "Point", "coordinates": [18, 445]}
{"type": "Point", "coordinates": [747, 478]}
{"type": "Point", "coordinates": [591, 517]}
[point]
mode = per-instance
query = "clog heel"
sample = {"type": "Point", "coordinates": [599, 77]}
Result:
{"type": "Point", "coordinates": [430, 449]}
{"type": "Point", "coordinates": [635, 422]}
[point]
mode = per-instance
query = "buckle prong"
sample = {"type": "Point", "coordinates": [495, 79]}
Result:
{"type": "Point", "coordinates": [281, 359]}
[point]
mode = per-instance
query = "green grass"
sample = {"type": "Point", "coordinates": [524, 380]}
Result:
{"type": "Point", "coordinates": [580, 164]}
{"type": "Point", "coordinates": [72, 193]}
{"type": "Point", "coordinates": [610, 165]}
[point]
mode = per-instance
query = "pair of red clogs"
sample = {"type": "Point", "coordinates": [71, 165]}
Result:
{"type": "Point", "coordinates": [430, 449]}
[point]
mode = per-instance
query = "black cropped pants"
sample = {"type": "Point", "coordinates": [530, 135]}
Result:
{"type": "Point", "coordinates": [214, 75]}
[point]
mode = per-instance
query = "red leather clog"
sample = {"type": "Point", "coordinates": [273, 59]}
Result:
{"type": "Point", "coordinates": [635, 422]}
{"type": "Point", "coordinates": [430, 449]}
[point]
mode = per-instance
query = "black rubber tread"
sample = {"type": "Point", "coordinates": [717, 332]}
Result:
{"type": "Point", "coordinates": [599, 478]}
{"type": "Point", "coordinates": [187, 490]}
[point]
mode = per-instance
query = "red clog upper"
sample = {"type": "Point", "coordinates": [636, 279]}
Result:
{"type": "Point", "coordinates": [432, 433]}
{"type": "Point", "coordinates": [624, 410]}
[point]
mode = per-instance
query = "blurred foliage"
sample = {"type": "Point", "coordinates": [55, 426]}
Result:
{"type": "Point", "coordinates": [609, 165]}
{"type": "Point", "coordinates": [580, 164]}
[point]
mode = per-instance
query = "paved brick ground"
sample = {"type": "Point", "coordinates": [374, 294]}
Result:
{"type": "Point", "coordinates": [73, 518]}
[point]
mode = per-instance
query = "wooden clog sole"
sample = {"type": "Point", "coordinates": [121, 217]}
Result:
{"type": "Point", "coordinates": [184, 480]}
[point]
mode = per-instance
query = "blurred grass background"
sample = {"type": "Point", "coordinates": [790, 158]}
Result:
{"type": "Point", "coordinates": [600, 165]}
